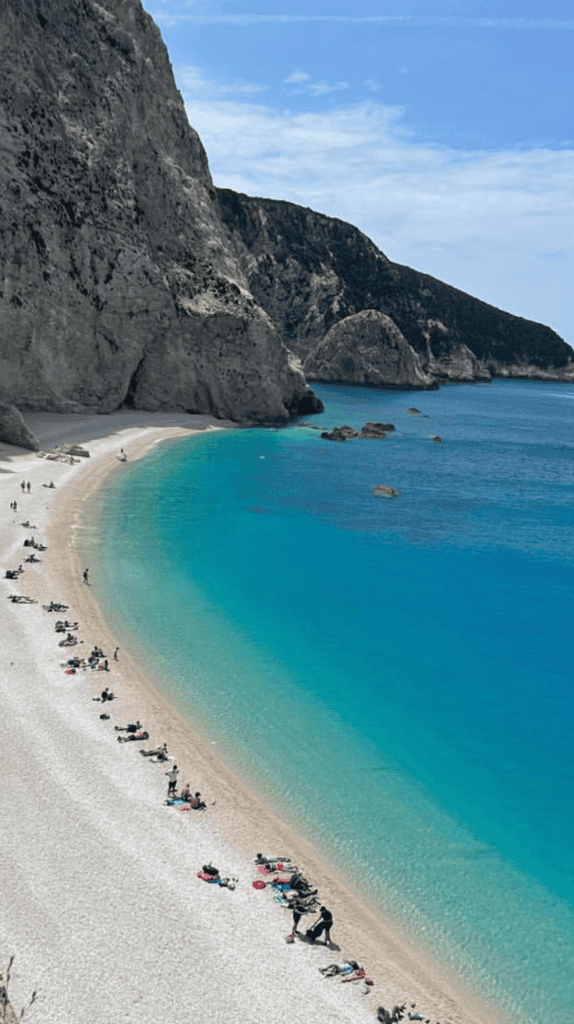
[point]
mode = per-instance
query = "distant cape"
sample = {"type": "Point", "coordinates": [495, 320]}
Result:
{"type": "Point", "coordinates": [128, 280]}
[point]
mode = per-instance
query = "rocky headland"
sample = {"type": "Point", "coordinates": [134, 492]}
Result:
{"type": "Point", "coordinates": [128, 280]}
{"type": "Point", "coordinates": [313, 273]}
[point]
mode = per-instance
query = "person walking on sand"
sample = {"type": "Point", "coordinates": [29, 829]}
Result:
{"type": "Point", "coordinates": [29, 486]}
{"type": "Point", "coordinates": [23, 485]}
{"type": "Point", "coordinates": [116, 654]}
{"type": "Point", "coordinates": [172, 775]}
{"type": "Point", "coordinates": [85, 577]}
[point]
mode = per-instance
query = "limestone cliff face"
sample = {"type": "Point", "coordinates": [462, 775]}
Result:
{"type": "Point", "coordinates": [310, 272]}
{"type": "Point", "coordinates": [367, 348]}
{"type": "Point", "coordinates": [118, 283]}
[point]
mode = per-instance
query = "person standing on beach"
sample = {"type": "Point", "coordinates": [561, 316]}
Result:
{"type": "Point", "coordinates": [29, 486]}
{"type": "Point", "coordinates": [116, 654]}
{"type": "Point", "coordinates": [324, 924]}
{"type": "Point", "coordinates": [85, 577]}
{"type": "Point", "coordinates": [23, 485]}
{"type": "Point", "coordinates": [172, 776]}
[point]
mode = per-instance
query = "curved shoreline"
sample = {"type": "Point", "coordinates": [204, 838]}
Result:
{"type": "Point", "coordinates": [239, 822]}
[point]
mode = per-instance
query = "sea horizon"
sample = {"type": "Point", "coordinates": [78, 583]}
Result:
{"type": "Point", "coordinates": [392, 675]}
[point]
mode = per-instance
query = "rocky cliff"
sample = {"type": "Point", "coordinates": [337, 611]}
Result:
{"type": "Point", "coordinates": [309, 272]}
{"type": "Point", "coordinates": [127, 279]}
{"type": "Point", "coordinates": [118, 284]}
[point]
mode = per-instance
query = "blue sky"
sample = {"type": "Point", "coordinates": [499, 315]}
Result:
{"type": "Point", "coordinates": [444, 130]}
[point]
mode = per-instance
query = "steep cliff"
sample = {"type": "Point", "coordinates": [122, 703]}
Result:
{"type": "Point", "coordinates": [118, 283]}
{"type": "Point", "coordinates": [310, 271]}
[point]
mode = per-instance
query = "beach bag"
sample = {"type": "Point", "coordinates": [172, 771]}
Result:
{"type": "Point", "coordinates": [210, 870]}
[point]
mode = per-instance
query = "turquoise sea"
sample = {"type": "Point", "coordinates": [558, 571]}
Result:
{"type": "Point", "coordinates": [394, 674]}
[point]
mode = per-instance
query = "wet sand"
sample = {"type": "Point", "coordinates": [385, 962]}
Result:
{"type": "Point", "coordinates": [101, 900]}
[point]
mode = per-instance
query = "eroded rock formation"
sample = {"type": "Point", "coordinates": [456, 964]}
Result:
{"type": "Point", "coordinates": [13, 430]}
{"type": "Point", "coordinates": [367, 348]}
{"type": "Point", "coordinates": [117, 280]}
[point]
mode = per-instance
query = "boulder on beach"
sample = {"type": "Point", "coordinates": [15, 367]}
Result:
{"type": "Point", "coordinates": [384, 491]}
{"type": "Point", "coordinates": [13, 430]}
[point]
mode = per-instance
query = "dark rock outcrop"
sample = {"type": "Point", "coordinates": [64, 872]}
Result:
{"type": "Point", "coordinates": [13, 430]}
{"type": "Point", "coordinates": [373, 431]}
{"type": "Point", "coordinates": [118, 284]}
{"type": "Point", "coordinates": [367, 348]}
{"type": "Point", "coordinates": [309, 272]}
{"type": "Point", "coordinates": [340, 434]}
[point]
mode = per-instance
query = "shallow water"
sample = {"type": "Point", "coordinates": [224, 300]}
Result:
{"type": "Point", "coordinates": [394, 674]}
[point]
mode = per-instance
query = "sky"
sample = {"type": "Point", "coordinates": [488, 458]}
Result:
{"type": "Point", "coordinates": [443, 129]}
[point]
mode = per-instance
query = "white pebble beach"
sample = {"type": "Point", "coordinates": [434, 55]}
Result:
{"type": "Point", "coordinates": [101, 905]}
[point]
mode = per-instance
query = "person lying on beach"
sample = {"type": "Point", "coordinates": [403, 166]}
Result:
{"type": "Point", "coordinates": [11, 574]}
{"type": "Point", "coordinates": [132, 736]}
{"type": "Point", "coordinates": [301, 885]}
{"type": "Point", "coordinates": [211, 874]}
{"type": "Point", "coordinates": [106, 695]}
{"type": "Point", "coordinates": [54, 606]}
{"type": "Point", "coordinates": [70, 641]}
{"type": "Point", "coordinates": [32, 558]}
{"type": "Point", "coordinates": [75, 662]}
{"type": "Point", "coordinates": [271, 863]}
{"type": "Point", "coordinates": [132, 727]}
{"type": "Point", "coordinates": [21, 599]}
{"type": "Point", "coordinates": [348, 967]}
{"type": "Point", "coordinates": [61, 627]}
{"type": "Point", "coordinates": [28, 525]}
{"type": "Point", "coordinates": [159, 752]}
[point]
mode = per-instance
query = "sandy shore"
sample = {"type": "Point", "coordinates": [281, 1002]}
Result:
{"type": "Point", "coordinates": [101, 903]}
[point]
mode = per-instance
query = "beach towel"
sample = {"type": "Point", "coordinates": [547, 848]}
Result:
{"type": "Point", "coordinates": [205, 877]}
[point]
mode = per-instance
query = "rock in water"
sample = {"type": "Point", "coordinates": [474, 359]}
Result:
{"type": "Point", "coordinates": [120, 283]}
{"type": "Point", "coordinates": [13, 430]}
{"type": "Point", "coordinates": [383, 491]}
{"type": "Point", "coordinates": [376, 430]}
{"type": "Point", "coordinates": [340, 434]}
{"type": "Point", "coordinates": [367, 348]}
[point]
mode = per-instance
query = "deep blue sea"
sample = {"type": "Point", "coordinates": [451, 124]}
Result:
{"type": "Point", "coordinates": [394, 674]}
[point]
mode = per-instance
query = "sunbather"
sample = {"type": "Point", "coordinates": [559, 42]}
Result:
{"type": "Point", "coordinates": [349, 967]}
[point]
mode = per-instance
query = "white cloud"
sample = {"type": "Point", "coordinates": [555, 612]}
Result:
{"type": "Point", "coordinates": [322, 88]}
{"type": "Point", "coordinates": [407, 20]}
{"type": "Point", "coordinates": [477, 219]}
{"type": "Point", "coordinates": [297, 76]}
{"type": "Point", "coordinates": [194, 85]}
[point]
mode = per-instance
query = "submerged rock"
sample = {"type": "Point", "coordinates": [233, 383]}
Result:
{"type": "Point", "coordinates": [383, 491]}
